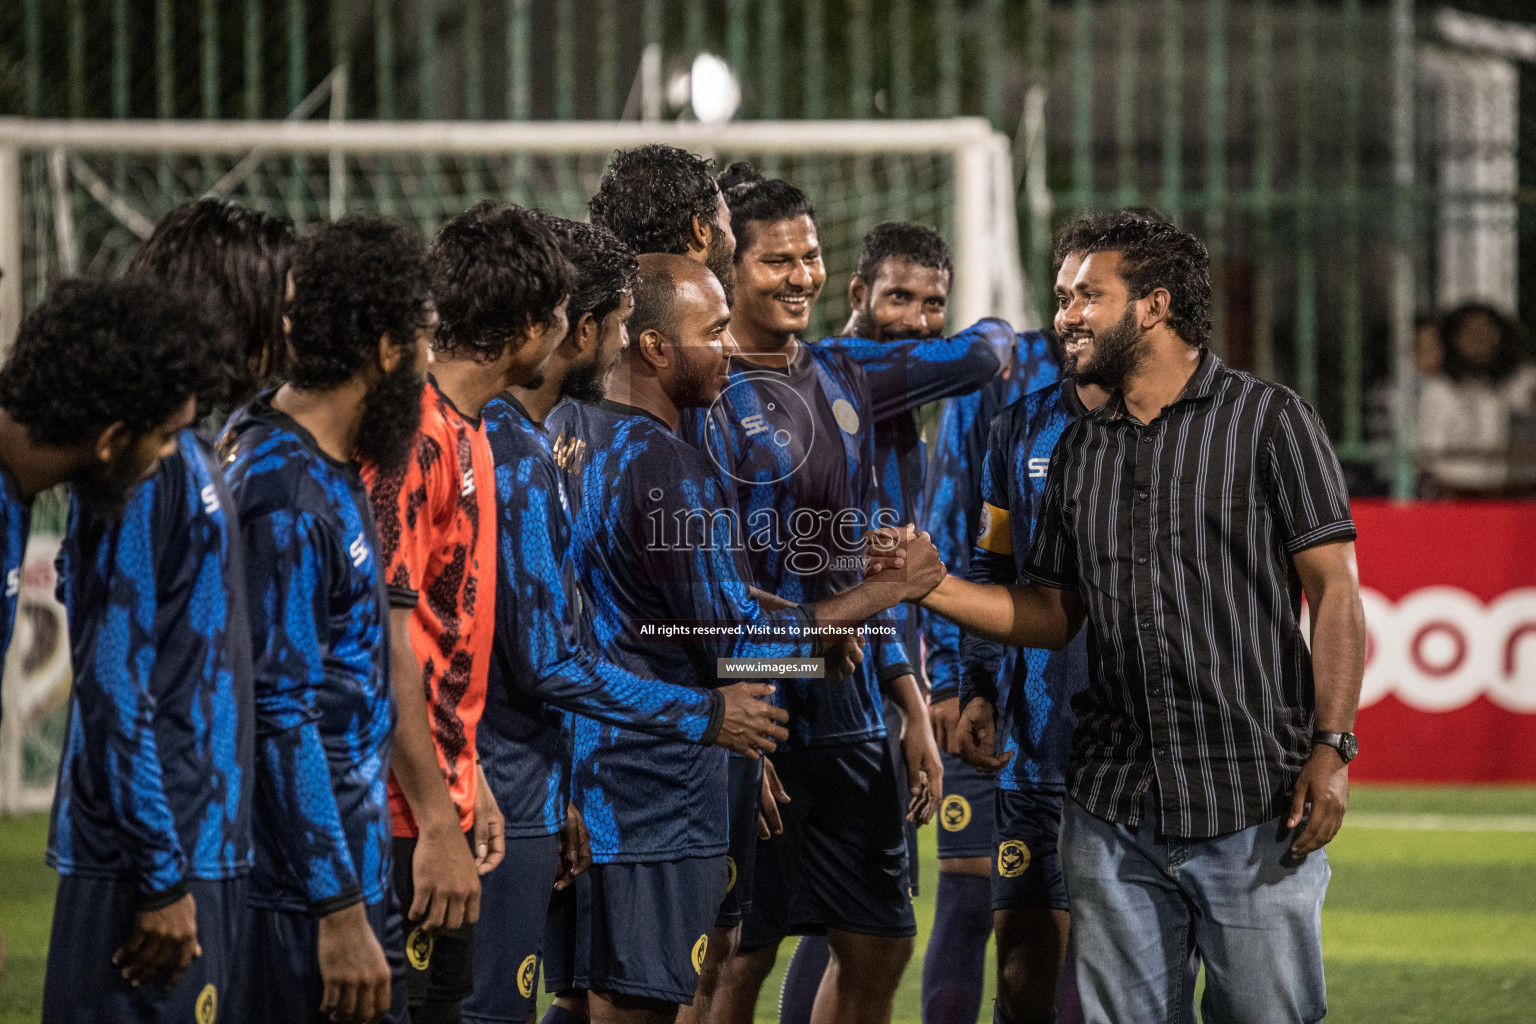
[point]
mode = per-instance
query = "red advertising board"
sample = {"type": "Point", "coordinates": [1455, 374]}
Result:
{"type": "Point", "coordinates": [1450, 676]}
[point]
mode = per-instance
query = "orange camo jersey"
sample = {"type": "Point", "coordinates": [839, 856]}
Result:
{"type": "Point", "coordinates": [437, 535]}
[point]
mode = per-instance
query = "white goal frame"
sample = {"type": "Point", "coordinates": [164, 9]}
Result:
{"type": "Point", "coordinates": [989, 278]}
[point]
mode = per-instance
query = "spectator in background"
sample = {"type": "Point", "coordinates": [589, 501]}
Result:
{"type": "Point", "coordinates": [1466, 415]}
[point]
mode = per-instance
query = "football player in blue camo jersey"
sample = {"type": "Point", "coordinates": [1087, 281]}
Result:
{"type": "Point", "coordinates": [326, 929]}
{"type": "Point", "coordinates": [638, 492]}
{"type": "Point", "coordinates": [544, 668]}
{"type": "Point", "coordinates": [791, 441]}
{"type": "Point", "coordinates": [99, 382]}
{"type": "Point", "coordinates": [178, 665]}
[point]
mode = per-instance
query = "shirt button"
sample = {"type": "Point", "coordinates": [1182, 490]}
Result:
{"type": "Point", "coordinates": [1142, 495]}
{"type": "Point", "coordinates": [1156, 691]}
{"type": "Point", "coordinates": [1146, 624]}
{"type": "Point", "coordinates": [1142, 560]}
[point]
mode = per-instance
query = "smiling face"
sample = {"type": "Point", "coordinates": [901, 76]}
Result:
{"type": "Point", "coordinates": [778, 277]}
{"type": "Point", "coordinates": [1075, 345]}
{"type": "Point", "coordinates": [1103, 313]}
{"type": "Point", "coordinates": [905, 300]}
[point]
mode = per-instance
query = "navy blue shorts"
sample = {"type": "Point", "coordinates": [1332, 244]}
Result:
{"type": "Point", "coordinates": [635, 929]}
{"type": "Point", "coordinates": [1026, 869]}
{"type": "Point", "coordinates": [744, 799]}
{"type": "Point", "coordinates": [285, 982]}
{"type": "Point", "coordinates": [966, 814]}
{"type": "Point", "coordinates": [898, 760]}
{"type": "Point", "coordinates": [514, 902]}
{"type": "Point", "coordinates": [842, 860]}
{"type": "Point", "coordinates": [93, 917]}
{"type": "Point", "coordinates": [439, 966]}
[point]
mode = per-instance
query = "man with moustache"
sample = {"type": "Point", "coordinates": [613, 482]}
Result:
{"type": "Point", "coordinates": [629, 940]}
{"type": "Point", "coordinates": [326, 934]}
{"type": "Point", "coordinates": [790, 441]}
{"type": "Point", "coordinates": [177, 667]}
{"type": "Point", "coordinates": [544, 668]}
{"type": "Point", "coordinates": [1185, 519]}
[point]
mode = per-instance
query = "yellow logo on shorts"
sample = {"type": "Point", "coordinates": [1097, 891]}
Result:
{"type": "Point", "coordinates": [206, 1009]}
{"type": "Point", "coordinates": [418, 949]}
{"type": "Point", "coordinates": [525, 973]}
{"type": "Point", "coordinates": [1012, 858]}
{"type": "Point", "coordinates": [730, 873]}
{"type": "Point", "coordinates": [954, 813]}
{"type": "Point", "coordinates": [699, 949]}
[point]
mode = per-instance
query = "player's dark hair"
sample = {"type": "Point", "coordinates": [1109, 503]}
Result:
{"type": "Point", "coordinates": [605, 267]}
{"type": "Point", "coordinates": [649, 196]}
{"type": "Point", "coordinates": [99, 352]}
{"type": "Point", "coordinates": [754, 198]}
{"type": "Point", "coordinates": [655, 301]}
{"type": "Point", "coordinates": [1506, 355]}
{"type": "Point", "coordinates": [1079, 231]}
{"type": "Point", "coordinates": [235, 259]}
{"type": "Point", "coordinates": [355, 281]}
{"type": "Point", "coordinates": [496, 270]}
{"type": "Point", "coordinates": [1158, 255]}
{"type": "Point", "coordinates": [903, 240]}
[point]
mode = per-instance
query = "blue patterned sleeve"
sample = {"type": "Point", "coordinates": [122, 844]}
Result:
{"type": "Point", "coordinates": [115, 691]}
{"type": "Point", "coordinates": [904, 375]}
{"type": "Point", "coordinates": [539, 621]}
{"type": "Point", "coordinates": [991, 561]}
{"type": "Point", "coordinates": [950, 501]}
{"type": "Point", "coordinates": [290, 563]}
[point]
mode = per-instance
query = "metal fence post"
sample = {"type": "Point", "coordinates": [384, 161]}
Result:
{"type": "Point", "coordinates": [1402, 304]}
{"type": "Point", "coordinates": [10, 246]}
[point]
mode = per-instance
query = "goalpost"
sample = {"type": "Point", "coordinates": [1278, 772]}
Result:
{"type": "Point", "coordinates": [77, 197]}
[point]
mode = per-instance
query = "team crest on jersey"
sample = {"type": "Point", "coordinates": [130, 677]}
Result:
{"type": "Point", "coordinates": [358, 549]}
{"type": "Point", "coordinates": [210, 498]}
{"type": "Point", "coordinates": [847, 418]}
{"type": "Point", "coordinates": [525, 974]}
{"type": "Point", "coordinates": [1012, 858]}
{"type": "Point", "coordinates": [13, 583]}
{"type": "Point", "coordinates": [954, 813]}
{"type": "Point", "coordinates": [418, 948]}
{"type": "Point", "coordinates": [206, 1009]}
{"type": "Point", "coordinates": [699, 949]}
{"type": "Point", "coordinates": [730, 873]}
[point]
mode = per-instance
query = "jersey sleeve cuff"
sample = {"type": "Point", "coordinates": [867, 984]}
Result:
{"type": "Point", "coordinates": [889, 672]}
{"type": "Point", "coordinates": [818, 644]}
{"type": "Point", "coordinates": [403, 597]}
{"type": "Point", "coordinates": [341, 901]}
{"type": "Point", "coordinates": [1343, 529]}
{"type": "Point", "coordinates": [716, 719]}
{"type": "Point", "coordinates": [163, 897]}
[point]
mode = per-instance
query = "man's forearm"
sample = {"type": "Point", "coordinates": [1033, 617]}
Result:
{"type": "Point", "coordinates": [1338, 658]}
{"type": "Point", "coordinates": [414, 761]}
{"type": "Point", "coordinates": [1026, 615]}
{"type": "Point", "coordinates": [905, 693]}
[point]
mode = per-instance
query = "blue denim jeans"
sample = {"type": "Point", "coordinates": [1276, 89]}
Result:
{"type": "Point", "coordinates": [1147, 909]}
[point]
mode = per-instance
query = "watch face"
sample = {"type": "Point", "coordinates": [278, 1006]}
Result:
{"type": "Point", "coordinates": [1349, 747]}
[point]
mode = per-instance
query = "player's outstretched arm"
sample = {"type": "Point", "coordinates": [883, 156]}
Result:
{"type": "Point", "coordinates": [1027, 615]}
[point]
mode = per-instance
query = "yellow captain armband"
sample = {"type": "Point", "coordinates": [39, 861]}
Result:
{"type": "Point", "coordinates": [994, 534]}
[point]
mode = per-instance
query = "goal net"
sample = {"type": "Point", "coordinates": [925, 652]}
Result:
{"type": "Point", "coordinates": [77, 197]}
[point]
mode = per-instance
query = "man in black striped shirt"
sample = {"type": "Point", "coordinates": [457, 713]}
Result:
{"type": "Point", "coordinates": [1185, 519]}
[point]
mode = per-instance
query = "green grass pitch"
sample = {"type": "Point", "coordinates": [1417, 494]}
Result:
{"type": "Point", "coordinates": [1425, 922]}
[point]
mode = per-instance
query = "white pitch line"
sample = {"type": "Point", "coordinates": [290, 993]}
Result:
{"type": "Point", "coordinates": [1444, 822]}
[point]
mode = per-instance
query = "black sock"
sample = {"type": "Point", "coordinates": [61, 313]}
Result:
{"type": "Point", "coordinates": [954, 964]}
{"type": "Point", "coordinates": [802, 979]}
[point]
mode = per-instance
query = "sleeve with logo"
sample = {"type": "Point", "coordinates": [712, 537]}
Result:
{"type": "Point", "coordinates": [409, 503]}
{"type": "Point", "coordinates": [1053, 551]}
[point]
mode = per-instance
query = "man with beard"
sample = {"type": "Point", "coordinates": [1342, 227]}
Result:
{"type": "Point", "coordinates": [178, 667]}
{"type": "Point", "coordinates": [654, 535]}
{"type": "Point", "coordinates": [1185, 519]}
{"type": "Point", "coordinates": [544, 663]}
{"type": "Point", "coordinates": [84, 398]}
{"type": "Point", "coordinates": [499, 282]}
{"type": "Point", "coordinates": [658, 198]}
{"type": "Point", "coordinates": [992, 501]}
{"type": "Point", "coordinates": [326, 932]}
{"type": "Point", "coordinates": [790, 439]}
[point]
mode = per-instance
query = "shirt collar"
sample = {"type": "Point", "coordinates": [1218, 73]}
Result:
{"type": "Point", "coordinates": [620, 409]}
{"type": "Point", "coordinates": [1200, 386]}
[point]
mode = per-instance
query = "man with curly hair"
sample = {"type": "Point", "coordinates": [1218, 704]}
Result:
{"type": "Point", "coordinates": [500, 285]}
{"type": "Point", "coordinates": [326, 933]}
{"type": "Point", "coordinates": [180, 670]}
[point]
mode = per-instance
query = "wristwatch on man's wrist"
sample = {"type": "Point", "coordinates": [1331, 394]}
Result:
{"type": "Point", "coordinates": [1344, 742]}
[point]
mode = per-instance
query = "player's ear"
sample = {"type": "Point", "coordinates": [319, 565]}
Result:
{"type": "Point", "coordinates": [1154, 308]}
{"type": "Point", "coordinates": [701, 234]}
{"type": "Point", "coordinates": [651, 347]}
{"type": "Point", "coordinates": [858, 291]}
{"type": "Point", "coordinates": [582, 335]}
{"type": "Point", "coordinates": [390, 353]}
{"type": "Point", "coordinates": [110, 442]}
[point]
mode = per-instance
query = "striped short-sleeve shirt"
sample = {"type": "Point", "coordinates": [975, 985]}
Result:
{"type": "Point", "coordinates": [1179, 536]}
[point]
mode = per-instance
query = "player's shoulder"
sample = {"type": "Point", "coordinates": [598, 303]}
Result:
{"type": "Point", "coordinates": [272, 464]}
{"type": "Point", "coordinates": [511, 432]}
